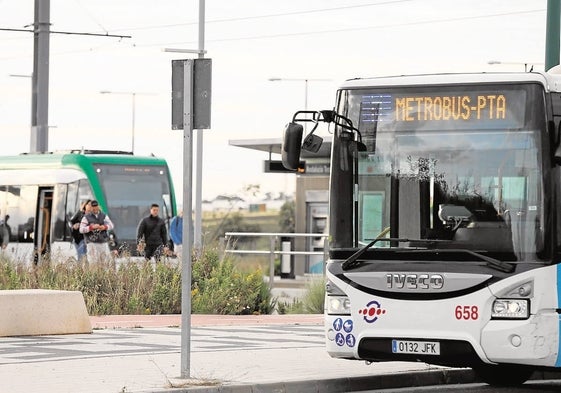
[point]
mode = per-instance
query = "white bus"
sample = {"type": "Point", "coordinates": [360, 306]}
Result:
{"type": "Point", "coordinates": [444, 221]}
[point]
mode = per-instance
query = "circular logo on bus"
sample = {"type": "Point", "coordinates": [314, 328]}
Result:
{"type": "Point", "coordinates": [372, 311]}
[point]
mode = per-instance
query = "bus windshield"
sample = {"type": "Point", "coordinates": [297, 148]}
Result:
{"type": "Point", "coordinates": [458, 164]}
{"type": "Point", "coordinates": [129, 191]}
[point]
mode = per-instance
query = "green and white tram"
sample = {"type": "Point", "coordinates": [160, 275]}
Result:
{"type": "Point", "coordinates": [444, 220]}
{"type": "Point", "coordinates": [39, 193]}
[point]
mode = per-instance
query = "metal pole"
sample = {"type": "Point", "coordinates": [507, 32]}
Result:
{"type": "Point", "coordinates": [201, 28]}
{"type": "Point", "coordinates": [272, 241]}
{"type": "Point", "coordinates": [187, 240]}
{"type": "Point", "coordinates": [306, 95]}
{"type": "Point", "coordinates": [40, 78]}
{"type": "Point", "coordinates": [133, 95]}
{"type": "Point", "coordinates": [199, 175]}
{"type": "Point", "coordinates": [306, 102]}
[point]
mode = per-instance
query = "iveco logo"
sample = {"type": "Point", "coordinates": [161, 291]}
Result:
{"type": "Point", "coordinates": [414, 281]}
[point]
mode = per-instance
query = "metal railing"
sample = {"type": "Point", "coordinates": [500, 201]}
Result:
{"type": "Point", "coordinates": [273, 251]}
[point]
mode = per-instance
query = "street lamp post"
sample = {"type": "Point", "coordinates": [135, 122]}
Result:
{"type": "Point", "coordinates": [305, 80]}
{"type": "Point", "coordinates": [133, 95]}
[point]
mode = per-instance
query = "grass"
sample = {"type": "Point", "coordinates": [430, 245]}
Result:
{"type": "Point", "coordinates": [311, 303]}
{"type": "Point", "coordinates": [218, 287]}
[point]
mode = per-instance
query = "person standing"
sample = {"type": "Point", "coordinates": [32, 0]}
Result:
{"type": "Point", "coordinates": [78, 237]}
{"type": "Point", "coordinates": [152, 235]}
{"type": "Point", "coordinates": [5, 232]}
{"type": "Point", "coordinates": [95, 226]}
{"type": "Point", "coordinates": [176, 233]}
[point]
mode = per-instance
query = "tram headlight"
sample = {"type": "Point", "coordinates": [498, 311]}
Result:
{"type": "Point", "coordinates": [338, 305]}
{"type": "Point", "coordinates": [511, 309]}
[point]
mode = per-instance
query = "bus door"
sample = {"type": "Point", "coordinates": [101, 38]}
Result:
{"type": "Point", "coordinates": [43, 223]}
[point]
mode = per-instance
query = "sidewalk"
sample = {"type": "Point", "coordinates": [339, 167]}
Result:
{"type": "Point", "coordinates": [237, 354]}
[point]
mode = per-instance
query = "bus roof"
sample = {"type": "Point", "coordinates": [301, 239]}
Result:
{"type": "Point", "coordinates": [551, 80]}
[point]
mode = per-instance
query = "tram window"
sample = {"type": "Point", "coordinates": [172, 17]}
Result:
{"type": "Point", "coordinates": [72, 201]}
{"type": "Point", "coordinates": [61, 227]}
{"type": "Point", "coordinates": [8, 199]}
{"type": "Point", "coordinates": [84, 192]}
{"type": "Point", "coordinates": [21, 202]}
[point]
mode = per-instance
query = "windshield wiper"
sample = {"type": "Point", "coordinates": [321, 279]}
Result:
{"type": "Point", "coordinates": [497, 264]}
{"type": "Point", "coordinates": [491, 262]}
{"type": "Point", "coordinates": [353, 259]}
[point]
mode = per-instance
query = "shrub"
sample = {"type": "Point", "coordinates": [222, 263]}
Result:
{"type": "Point", "coordinates": [148, 288]}
{"type": "Point", "coordinates": [311, 303]}
{"type": "Point", "coordinates": [227, 291]}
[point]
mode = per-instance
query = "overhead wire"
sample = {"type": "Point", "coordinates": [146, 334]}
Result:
{"type": "Point", "coordinates": [315, 32]}
{"type": "Point", "coordinates": [255, 17]}
{"type": "Point", "coordinates": [358, 28]}
{"type": "Point", "coordinates": [94, 19]}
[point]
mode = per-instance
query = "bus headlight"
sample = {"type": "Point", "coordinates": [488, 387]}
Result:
{"type": "Point", "coordinates": [511, 309]}
{"type": "Point", "coordinates": [338, 305]}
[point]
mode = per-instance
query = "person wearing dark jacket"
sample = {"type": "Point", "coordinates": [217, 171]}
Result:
{"type": "Point", "coordinates": [79, 241]}
{"type": "Point", "coordinates": [152, 235]}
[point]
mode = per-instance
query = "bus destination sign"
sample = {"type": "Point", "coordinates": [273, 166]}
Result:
{"type": "Point", "coordinates": [445, 110]}
{"type": "Point", "coordinates": [464, 107]}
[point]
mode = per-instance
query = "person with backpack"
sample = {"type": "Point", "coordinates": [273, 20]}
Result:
{"type": "Point", "coordinates": [152, 235]}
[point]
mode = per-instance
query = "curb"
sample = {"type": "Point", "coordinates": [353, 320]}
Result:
{"type": "Point", "coordinates": [338, 385]}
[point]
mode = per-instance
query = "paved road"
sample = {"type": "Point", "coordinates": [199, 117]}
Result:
{"type": "Point", "coordinates": [268, 353]}
{"type": "Point", "coordinates": [155, 341]}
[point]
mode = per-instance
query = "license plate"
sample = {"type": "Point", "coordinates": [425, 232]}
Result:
{"type": "Point", "coordinates": [416, 347]}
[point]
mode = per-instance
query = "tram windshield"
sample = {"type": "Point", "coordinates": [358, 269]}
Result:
{"type": "Point", "coordinates": [129, 191]}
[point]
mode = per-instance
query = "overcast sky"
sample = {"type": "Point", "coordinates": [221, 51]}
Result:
{"type": "Point", "coordinates": [249, 42]}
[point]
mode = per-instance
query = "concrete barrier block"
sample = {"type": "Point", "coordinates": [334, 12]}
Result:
{"type": "Point", "coordinates": [30, 312]}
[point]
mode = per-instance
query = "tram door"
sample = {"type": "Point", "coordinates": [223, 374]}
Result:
{"type": "Point", "coordinates": [42, 240]}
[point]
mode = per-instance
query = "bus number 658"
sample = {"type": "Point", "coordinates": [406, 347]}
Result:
{"type": "Point", "coordinates": [467, 312]}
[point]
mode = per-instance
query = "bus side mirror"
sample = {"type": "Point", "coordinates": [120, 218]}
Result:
{"type": "Point", "coordinates": [292, 145]}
